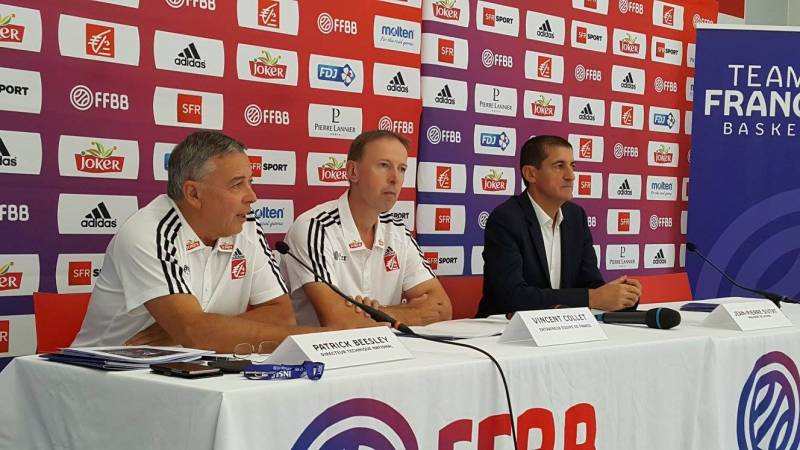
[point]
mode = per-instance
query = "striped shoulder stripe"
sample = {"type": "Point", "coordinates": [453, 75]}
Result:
{"type": "Point", "coordinates": [316, 242]}
{"type": "Point", "coordinates": [421, 255]}
{"type": "Point", "coordinates": [166, 232]}
{"type": "Point", "coordinates": [273, 264]}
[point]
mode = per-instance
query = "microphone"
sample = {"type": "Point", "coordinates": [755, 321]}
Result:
{"type": "Point", "coordinates": [775, 298]}
{"type": "Point", "coordinates": [381, 316]}
{"type": "Point", "coordinates": [661, 318]}
{"type": "Point", "coordinates": [376, 314]}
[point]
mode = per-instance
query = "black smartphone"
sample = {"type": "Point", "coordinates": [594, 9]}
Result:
{"type": "Point", "coordinates": [231, 366]}
{"type": "Point", "coordinates": [185, 370]}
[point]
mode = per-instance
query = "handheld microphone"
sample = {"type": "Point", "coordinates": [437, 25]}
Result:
{"type": "Point", "coordinates": [661, 318]}
{"type": "Point", "coordinates": [376, 314]}
{"type": "Point", "coordinates": [775, 298]}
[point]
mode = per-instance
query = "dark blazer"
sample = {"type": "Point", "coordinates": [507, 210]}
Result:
{"type": "Point", "coordinates": [515, 272]}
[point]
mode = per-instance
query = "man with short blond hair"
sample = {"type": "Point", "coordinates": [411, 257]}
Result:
{"type": "Point", "coordinates": [354, 243]}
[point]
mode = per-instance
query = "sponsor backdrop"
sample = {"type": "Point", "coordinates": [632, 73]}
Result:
{"type": "Point", "coordinates": [95, 94]}
{"type": "Point", "coordinates": [745, 213]}
{"type": "Point", "coordinates": [614, 76]}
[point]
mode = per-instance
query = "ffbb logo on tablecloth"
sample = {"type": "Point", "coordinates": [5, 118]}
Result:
{"type": "Point", "coordinates": [767, 415]}
{"type": "Point", "coordinates": [360, 414]}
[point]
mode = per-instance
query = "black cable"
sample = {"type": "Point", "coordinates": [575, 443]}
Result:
{"type": "Point", "coordinates": [499, 369]}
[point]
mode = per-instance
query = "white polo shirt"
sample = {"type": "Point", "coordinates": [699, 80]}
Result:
{"type": "Point", "coordinates": [325, 237]}
{"type": "Point", "coordinates": [156, 253]}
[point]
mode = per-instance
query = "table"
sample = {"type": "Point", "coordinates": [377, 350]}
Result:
{"type": "Point", "coordinates": [687, 388]}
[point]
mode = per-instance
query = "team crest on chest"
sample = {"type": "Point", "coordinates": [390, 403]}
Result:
{"type": "Point", "coordinates": [390, 261]}
{"type": "Point", "coordinates": [238, 265]}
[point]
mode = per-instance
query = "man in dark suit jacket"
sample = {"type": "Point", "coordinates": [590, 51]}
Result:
{"type": "Point", "coordinates": [538, 247]}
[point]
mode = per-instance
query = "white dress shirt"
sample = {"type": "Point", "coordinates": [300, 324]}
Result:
{"type": "Point", "coordinates": [551, 235]}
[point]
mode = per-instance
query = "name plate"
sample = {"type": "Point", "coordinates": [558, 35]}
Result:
{"type": "Point", "coordinates": [554, 327]}
{"type": "Point", "coordinates": [341, 348]}
{"type": "Point", "coordinates": [747, 316]}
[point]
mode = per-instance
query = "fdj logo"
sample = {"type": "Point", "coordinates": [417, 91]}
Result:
{"type": "Point", "coordinates": [768, 415]}
{"type": "Point", "coordinates": [496, 140]}
{"type": "Point", "coordinates": [343, 74]}
{"type": "Point", "coordinates": [360, 437]}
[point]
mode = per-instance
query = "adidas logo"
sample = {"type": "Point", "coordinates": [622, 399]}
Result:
{"type": "Point", "coordinates": [625, 189]}
{"type": "Point", "coordinates": [445, 96]}
{"type": "Point", "coordinates": [660, 258]}
{"type": "Point", "coordinates": [237, 254]}
{"type": "Point", "coordinates": [190, 57]}
{"type": "Point", "coordinates": [99, 217]}
{"type": "Point", "coordinates": [5, 156]}
{"type": "Point", "coordinates": [397, 84]}
{"type": "Point", "coordinates": [586, 113]}
{"type": "Point", "coordinates": [545, 31]}
{"type": "Point", "coordinates": [628, 82]}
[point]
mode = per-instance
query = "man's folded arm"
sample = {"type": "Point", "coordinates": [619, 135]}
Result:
{"type": "Point", "coordinates": [181, 316]}
{"type": "Point", "coordinates": [332, 310]}
{"type": "Point", "coordinates": [427, 302]}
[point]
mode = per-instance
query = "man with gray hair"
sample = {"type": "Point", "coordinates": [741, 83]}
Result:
{"type": "Point", "coordinates": [184, 269]}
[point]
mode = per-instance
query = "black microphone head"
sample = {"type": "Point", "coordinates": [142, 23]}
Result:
{"type": "Point", "coordinates": [662, 318]}
{"type": "Point", "coordinates": [282, 247]}
{"type": "Point", "coordinates": [691, 247]}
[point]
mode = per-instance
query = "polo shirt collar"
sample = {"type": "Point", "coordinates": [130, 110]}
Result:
{"type": "Point", "coordinates": [192, 242]}
{"type": "Point", "coordinates": [351, 235]}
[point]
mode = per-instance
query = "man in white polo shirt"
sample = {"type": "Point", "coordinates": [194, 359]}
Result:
{"type": "Point", "coordinates": [355, 244]}
{"type": "Point", "coordinates": [184, 269]}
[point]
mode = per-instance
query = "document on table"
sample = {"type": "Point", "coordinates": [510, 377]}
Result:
{"type": "Point", "coordinates": [463, 328]}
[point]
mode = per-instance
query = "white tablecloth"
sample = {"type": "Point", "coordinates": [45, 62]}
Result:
{"type": "Point", "coordinates": [640, 389]}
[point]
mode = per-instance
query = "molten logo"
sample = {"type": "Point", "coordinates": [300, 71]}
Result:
{"type": "Point", "coordinates": [584, 185]}
{"type": "Point", "coordinates": [624, 221]}
{"type": "Point", "coordinates": [269, 13]}
{"type": "Point", "coordinates": [332, 171]}
{"type": "Point", "coordinates": [544, 67]}
{"type": "Point", "coordinates": [99, 40]}
{"type": "Point", "coordinates": [445, 10]}
{"type": "Point", "coordinates": [494, 181]}
{"type": "Point", "coordinates": [11, 33]}
{"type": "Point", "coordinates": [443, 219]}
{"type": "Point", "coordinates": [585, 148]}
{"type": "Point", "coordinates": [444, 178]}
{"type": "Point", "coordinates": [447, 51]}
{"type": "Point", "coordinates": [99, 159]}
{"type": "Point", "coordinates": [190, 108]}
{"type": "Point", "coordinates": [432, 258]}
{"type": "Point", "coordinates": [79, 273]}
{"type": "Point", "coordinates": [266, 66]}
{"type": "Point", "coordinates": [9, 281]}
{"type": "Point", "coordinates": [626, 115]}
